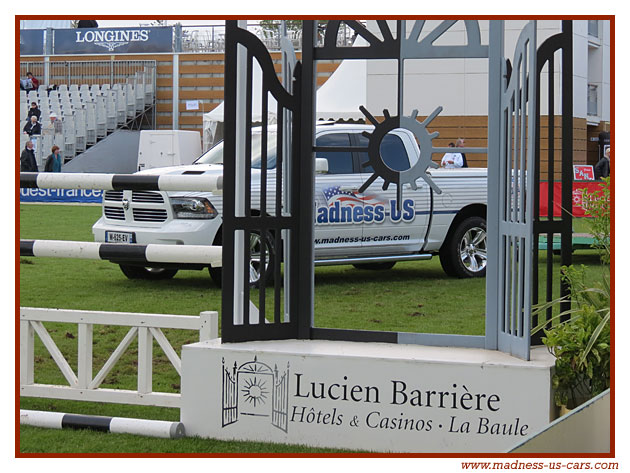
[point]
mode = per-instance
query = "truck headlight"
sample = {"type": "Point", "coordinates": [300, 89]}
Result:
{"type": "Point", "coordinates": [193, 207]}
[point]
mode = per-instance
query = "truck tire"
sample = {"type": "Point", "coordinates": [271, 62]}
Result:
{"type": "Point", "coordinates": [375, 266]}
{"type": "Point", "coordinates": [141, 272]}
{"type": "Point", "coordinates": [255, 273]}
{"type": "Point", "coordinates": [464, 253]}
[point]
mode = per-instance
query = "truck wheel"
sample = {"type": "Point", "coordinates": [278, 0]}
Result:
{"type": "Point", "coordinates": [256, 273]}
{"type": "Point", "coordinates": [464, 254]}
{"type": "Point", "coordinates": [141, 272]}
{"type": "Point", "coordinates": [375, 266]}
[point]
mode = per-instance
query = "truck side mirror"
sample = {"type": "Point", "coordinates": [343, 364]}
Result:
{"type": "Point", "coordinates": [321, 166]}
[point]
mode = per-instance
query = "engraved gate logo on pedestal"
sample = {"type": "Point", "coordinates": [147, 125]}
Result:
{"type": "Point", "coordinates": [255, 390]}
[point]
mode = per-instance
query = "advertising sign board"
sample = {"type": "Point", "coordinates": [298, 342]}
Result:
{"type": "Point", "coordinates": [61, 195]}
{"type": "Point", "coordinates": [578, 207]}
{"type": "Point", "coordinates": [113, 40]}
{"type": "Point", "coordinates": [583, 172]}
{"type": "Point", "coordinates": [380, 397]}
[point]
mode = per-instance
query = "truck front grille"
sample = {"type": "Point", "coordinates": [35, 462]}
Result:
{"type": "Point", "coordinates": [147, 196]}
{"type": "Point", "coordinates": [149, 215]}
{"type": "Point", "coordinates": [116, 196]}
{"type": "Point", "coordinates": [114, 213]}
{"type": "Point", "coordinates": [136, 203]}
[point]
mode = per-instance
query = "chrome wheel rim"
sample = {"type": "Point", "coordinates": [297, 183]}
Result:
{"type": "Point", "coordinates": [473, 251]}
{"type": "Point", "coordinates": [255, 248]}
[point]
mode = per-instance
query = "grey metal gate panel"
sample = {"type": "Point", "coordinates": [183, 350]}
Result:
{"type": "Point", "coordinates": [514, 192]}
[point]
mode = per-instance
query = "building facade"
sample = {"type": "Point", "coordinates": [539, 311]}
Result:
{"type": "Point", "coordinates": [460, 86]}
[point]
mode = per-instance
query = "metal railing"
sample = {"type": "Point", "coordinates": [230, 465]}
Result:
{"type": "Point", "coordinates": [211, 38]}
{"type": "Point", "coordinates": [92, 72]}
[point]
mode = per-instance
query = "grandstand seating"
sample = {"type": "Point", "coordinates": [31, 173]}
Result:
{"type": "Point", "coordinates": [88, 113]}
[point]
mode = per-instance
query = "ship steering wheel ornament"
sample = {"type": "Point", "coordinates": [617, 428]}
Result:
{"type": "Point", "coordinates": [417, 170]}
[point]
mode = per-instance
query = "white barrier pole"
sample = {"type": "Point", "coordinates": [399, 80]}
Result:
{"type": "Point", "coordinates": [120, 425]}
{"type": "Point", "coordinates": [150, 428]}
{"type": "Point", "coordinates": [151, 253]}
{"type": "Point", "coordinates": [49, 180]}
{"type": "Point", "coordinates": [50, 420]}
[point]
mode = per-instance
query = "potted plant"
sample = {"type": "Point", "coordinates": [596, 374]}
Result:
{"type": "Point", "coordinates": [581, 344]}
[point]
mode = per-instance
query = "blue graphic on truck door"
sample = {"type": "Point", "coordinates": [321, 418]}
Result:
{"type": "Point", "coordinates": [352, 207]}
{"type": "Point", "coordinates": [337, 202]}
{"type": "Point", "coordinates": [345, 206]}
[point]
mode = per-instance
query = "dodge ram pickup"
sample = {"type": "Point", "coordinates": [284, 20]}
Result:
{"type": "Point", "coordinates": [368, 229]}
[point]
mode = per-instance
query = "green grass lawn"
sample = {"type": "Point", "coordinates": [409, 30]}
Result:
{"type": "Point", "coordinates": [411, 297]}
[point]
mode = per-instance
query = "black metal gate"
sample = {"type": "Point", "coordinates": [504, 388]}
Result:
{"type": "Point", "coordinates": [550, 225]}
{"type": "Point", "coordinates": [254, 229]}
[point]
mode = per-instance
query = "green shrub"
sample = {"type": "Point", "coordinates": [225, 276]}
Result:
{"type": "Point", "coordinates": [581, 343]}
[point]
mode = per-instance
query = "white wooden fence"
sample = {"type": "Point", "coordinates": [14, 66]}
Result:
{"type": "Point", "coordinates": [82, 385]}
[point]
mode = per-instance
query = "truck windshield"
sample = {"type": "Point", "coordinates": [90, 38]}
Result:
{"type": "Point", "coordinates": [215, 154]}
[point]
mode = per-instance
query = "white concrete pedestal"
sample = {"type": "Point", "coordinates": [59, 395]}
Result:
{"type": "Point", "coordinates": [365, 396]}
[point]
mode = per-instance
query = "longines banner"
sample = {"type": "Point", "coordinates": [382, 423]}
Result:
{"type": "Point", "coordinates": [364, 396]}
{"type": "Point", "coordinates": [113, 40]}
{"type": "Point", "coordinates": [31, 42]}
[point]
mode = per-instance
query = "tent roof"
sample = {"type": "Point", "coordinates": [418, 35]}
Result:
{"type": "Point", "coordinates": [341, 95]}
{"type": "Point", "coordinates": [338, 98]}
{"type": "Point", "coordinates": [216, 114]}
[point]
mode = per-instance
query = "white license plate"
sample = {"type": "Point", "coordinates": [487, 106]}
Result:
{"type": "Point", "coordinates": [120, 237]}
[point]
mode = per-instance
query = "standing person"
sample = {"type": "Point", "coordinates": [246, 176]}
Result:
{"type": "Point", "coordinates": [27, 158]}
{"type": "Point", "coordinates": [53, 162]}
{"type": "Point", "coordinates": [34, 111]}
{"type": "Point", "coordinates": [460, 144]}
{"type": "Point", "coordinates": [602, 168]}
{"type": "Point", "coordinates": [451, 160]}
{"type": "Point", "coordinates": [32, 127]}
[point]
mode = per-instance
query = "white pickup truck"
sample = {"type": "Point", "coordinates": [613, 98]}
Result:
{"type": "Point", "coordinates": [368, 230]}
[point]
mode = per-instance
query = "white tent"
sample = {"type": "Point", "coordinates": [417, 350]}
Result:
{"type": "Point", "coordinates": [213, 120]}
{"type": "Point", "coordinates": [345, 90]}
{"type": "Point", "coordinates": [338, 98]}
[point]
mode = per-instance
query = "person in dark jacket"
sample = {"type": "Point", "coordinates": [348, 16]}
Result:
{"type": "Point", "coordinates": [602, 168]}
{"type": "Point", "coordinates": [32, 127]}
{"type": "Point", "coordinates": [53, 162]}
{"type": "Point", "coordinates": [27, 159]}
{"type": "Point", "coordinates": [34, 111]}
